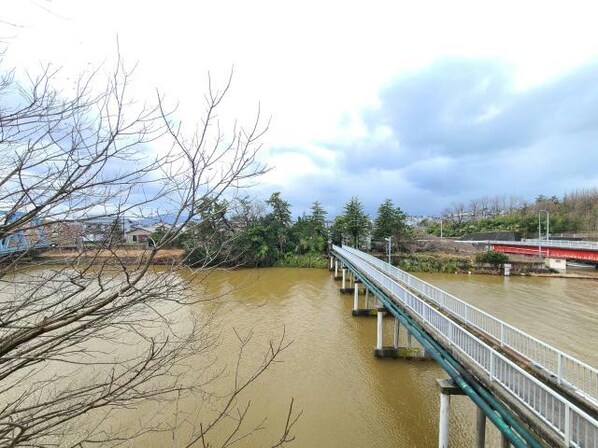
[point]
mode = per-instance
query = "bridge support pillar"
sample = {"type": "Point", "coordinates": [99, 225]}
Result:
{"type": "Point", "coordinates": [367, 298]}
{"type": "Point", "coordinates": [447, 388]}
{"type": "Point", "coordinates": [349, 277]}
{"type": "Point", "coordinates": [443, 425]}
{"type": "Point", "coordinates": [335, 268]}
{"type": "Point", "coordinates": [556, 264]}
{"type": "Point", "coordinates": [361, 311]}
{"type": "Point", "coordinates": [396, 333]}
{"type": "Point", "coordinates": [480, 428]}
{"type": "Point", "coordinates": [391, 351]}
{"type": "Point", "coordinates": [331, 263]}
{"type": "Point", "coordinates": [379, 328]}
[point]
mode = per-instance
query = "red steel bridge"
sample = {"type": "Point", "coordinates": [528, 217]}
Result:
{"type": "Point", "coordinates": [570, 250]}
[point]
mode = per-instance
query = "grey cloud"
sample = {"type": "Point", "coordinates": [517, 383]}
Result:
{"type": "Point", "coordinates": [460, 129]}
{"type": "Point", "coordinates": [442, 107]}
{"type": "Point", "coordinates": [456, 108]}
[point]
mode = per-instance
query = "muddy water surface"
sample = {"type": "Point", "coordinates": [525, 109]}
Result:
{"type": "Point", "coordinates": [348, 397]}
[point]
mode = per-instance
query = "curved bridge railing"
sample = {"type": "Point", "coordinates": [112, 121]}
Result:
{"type": "Point", "coordinates": [587, 245]}
{"type": "Point", "coordinates": [566, 369]}
{"type": "Point", "coordinates": [575, 426]}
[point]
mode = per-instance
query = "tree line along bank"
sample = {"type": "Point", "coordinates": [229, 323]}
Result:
{"type": "Point", "coordinates": [255, 234]}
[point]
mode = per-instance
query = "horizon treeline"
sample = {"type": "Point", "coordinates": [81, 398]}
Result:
{"type": "Point", "coordinates": [576, 211]}
{"type": "Point", "coordinates": [262, 233]}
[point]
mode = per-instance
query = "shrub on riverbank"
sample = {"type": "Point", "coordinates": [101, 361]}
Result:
{"type": "Point", "coordinates": [309, 260]}
{"type": "Point", "coordinates": [435, 263]}
{"type": "Point", "coordinates": [492, 257]}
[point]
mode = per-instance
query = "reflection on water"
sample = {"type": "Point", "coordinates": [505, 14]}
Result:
{"type": "Point", "coordinates": [348, 397]}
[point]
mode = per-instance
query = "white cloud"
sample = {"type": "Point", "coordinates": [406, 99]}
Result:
{"type": "Point", "coordinates": [313, 66]}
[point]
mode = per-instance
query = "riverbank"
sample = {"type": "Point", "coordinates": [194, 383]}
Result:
{"type": "Point", "coordinates": [127, 255]}
{"type": "Point", "coordinates": [309, 260]}
{"type": "Point", "coordinates": [575, 275]}
{"type": "Point", "coordinates": [449, 263]}
{"type": "Point", "coordinates": [133, 255]}
{"type": "Point", "coordinates": [433, 254]}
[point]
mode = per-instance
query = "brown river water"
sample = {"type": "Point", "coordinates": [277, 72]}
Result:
{"type": "Point", "coordinates": [347, 396]}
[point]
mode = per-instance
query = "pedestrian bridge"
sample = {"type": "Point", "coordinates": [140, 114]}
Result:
{"type": "Point", "coordinates": [535, 394]}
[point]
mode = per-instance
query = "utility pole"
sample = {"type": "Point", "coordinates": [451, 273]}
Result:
{"type": "Point", "coordinates": [441, 228]}
{"type": "Point", "coordinates": [540, 230]}
{"type": "Point", "coordinates": [539, 237]}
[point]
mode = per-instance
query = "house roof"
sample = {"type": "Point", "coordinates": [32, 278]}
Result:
{"type": "Point", "coordinates": [139, 230]}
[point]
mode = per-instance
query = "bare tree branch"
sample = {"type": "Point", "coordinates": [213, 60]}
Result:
{"type": "Point", "coordinates": [92, 331]}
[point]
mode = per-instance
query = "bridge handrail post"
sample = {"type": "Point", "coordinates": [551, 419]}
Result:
{"type": "Point", "coordinates": [559, 368]}
{"type": "Point", "coordinates": [502, 334]}
{"type": "Point", "coordinates": [567, 428]}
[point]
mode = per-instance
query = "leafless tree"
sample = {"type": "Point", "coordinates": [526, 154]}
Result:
{"type": "Point", "coordinates": [474, 208]}
{"type": "Point", "coordinates": [456, 213]}
{"type": "Point", "coordinates": [484, 203]}
{"type": "Point", "coordinates": [515, 203]}
{"type": "Point", "coordinates": [582, 205]}
{"type": "Point", "coordinates": [97, 332]}
{"type": "Point", "coordinates": [498, 205]}
{"type": "Point", "coordinates": [485, 206]}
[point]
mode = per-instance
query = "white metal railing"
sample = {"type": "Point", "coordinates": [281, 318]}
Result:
{"type": "Point", "coordinates": [566, 369]}
{"type": "Point", "coordinates": [584, 245]}
{"type": "Point", "coordinates": [575, 426]}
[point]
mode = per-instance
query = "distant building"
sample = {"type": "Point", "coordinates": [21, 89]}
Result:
{"type": "Point", "coordinates": [139, 236]}
{"type": "Point", "coordinates": [86, 231]}
{"type": "Point", "coordinates": [30, 234]}
{"type": "Point", "coordinates": [417, 221]}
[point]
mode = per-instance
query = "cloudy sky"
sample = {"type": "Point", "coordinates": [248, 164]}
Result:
{"type": "Point", "coordinates": [426, 103]}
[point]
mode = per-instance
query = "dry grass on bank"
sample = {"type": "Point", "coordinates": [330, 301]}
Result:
{"type": "Point", "coordinates": [127, 255]}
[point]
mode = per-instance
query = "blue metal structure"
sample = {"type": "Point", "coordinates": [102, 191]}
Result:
{"type": "Point", "coordinates": [18, 242]}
